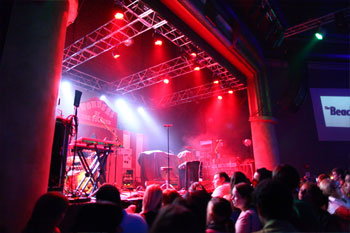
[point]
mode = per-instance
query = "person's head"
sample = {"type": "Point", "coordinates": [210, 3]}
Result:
{"type": "Point", "coordinates": [346, 186]}
{"type": "Point", "coordinates": [242, 195]}
{"type": "Point", "coordinates": [220, 178]}
{"type": "Point", "coordinates": [287, 175]}
{"type": "Point", "coordinates": [152, 199]}
{"type": "Point", "coordinates": [219, 210]}
{"type": "Point", "coordinates": [98, 217]}
{"type": "Point", "coordinates": [49, 209]}
{"type": "Point", "coordinates": [311, 193]}
{"type": "Point", "coordinates": [174, 218]}
{"type": "Point", "coordinates": [108, 192]}
{"type": "Point", "coordinates": [169, 195]}
{"type": "Point", "coordinates": [321, 177]}
{"type": "Point", "coordinates": [261, 174]}
{"type": "Point", "coordinates": [238, 177]}
{"type": "Point", "coordinates": [330, 188]}
{"type": "Point", "coordinates": [273, 200]}
{"type": "Point", "coordinates": [338, 175]}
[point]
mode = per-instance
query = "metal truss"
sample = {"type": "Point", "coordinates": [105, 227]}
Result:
{"type": "Point", "coordinates": [173, 68]}
{"type": "Point", "coordinates": [138, 19]}
{"type": "Point", "coordinates": [315, 23]}
{"type": "Point", "coordinates": [111, 34]}
{"type": "Point", "coordinates": [93, 83]}
{"type": "Point", "coordinates": [194, 94]}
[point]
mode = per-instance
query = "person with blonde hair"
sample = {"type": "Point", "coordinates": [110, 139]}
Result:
{"type": "Point", "coordinates": [152, 201]}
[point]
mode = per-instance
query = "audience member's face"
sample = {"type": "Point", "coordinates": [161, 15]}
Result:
{"type": "Point", "coordinates": [336, 176]}
{"type": "Point", "coordinates": [217, 180]}
{"type": "Point", "coordinates": [346, 186]}
{"type": "Point", "coordinates": [303, 194]}
{"type": "Point", "coordinates": [237, 200]}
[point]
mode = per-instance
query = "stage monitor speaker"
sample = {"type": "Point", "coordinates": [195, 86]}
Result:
{"type": "Point", "coordinates": [59, 154]}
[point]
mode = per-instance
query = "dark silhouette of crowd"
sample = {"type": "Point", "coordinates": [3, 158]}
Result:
{"type": "Point", "coordinates": [274, 201]}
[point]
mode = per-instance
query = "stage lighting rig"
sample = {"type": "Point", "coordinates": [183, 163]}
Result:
{"type": "Point", "coordinates": [119, 10]}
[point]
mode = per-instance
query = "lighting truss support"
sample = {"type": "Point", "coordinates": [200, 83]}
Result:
{"type": "Point", "coordinates": [314, 23]}
{"type": "Point", "coordinates": [110, 34]}
{"type": "Point", "coordinates": [93, 83]}
{"type": "Point", "coordinates": [193, 94]}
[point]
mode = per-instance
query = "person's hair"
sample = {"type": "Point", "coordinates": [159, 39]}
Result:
{"type": "Point", "coordinates": [273, 200]}
{"type": "Point", "coordinates": [47, 212]}
{"type": "Point", "coordinates": [221, 209]}
{"type": "Point", "coordinates": [328, 187]}
{"type": "Point", "coordinates": [152, 199]}
{"type": "Point", "coordinates": [175, 218]}
{"type": "Point", "coordinates": [246, 191]}
{"type": "Point", "coordinates": [224, 175]}
{"type": "Point", "coordinates": [315, 196]}
{"type": "Point", "coordinates": [322, 177]}
{"type": "Point", "coordinates": [339, 171]}
{"type": "Point", "coordinates": [169, 195]}
{"type": "Point", "coordinates": [264, 173]}
{"type": "Point", "coordinates": [108, 192]}
{"type": "Point", "coordinates": [238, 177]}
{"type": "Point", "coordinates": [98, 217]}
{"type": "Point", "coordinates": [287, 175]}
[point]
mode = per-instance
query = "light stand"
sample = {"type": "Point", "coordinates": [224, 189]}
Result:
{"type": "Point", "coordinates": [167, 181]}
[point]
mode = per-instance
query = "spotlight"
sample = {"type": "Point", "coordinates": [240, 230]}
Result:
{"type": "Point", "coordinates": [158, 39]}
{"type": "Point", "coordinates": [196, 66]}
{"type": "Point", "coordinates": [230, 92]}
{"type": "Point", "coordinates": [320, 33]}
{"type": "Point", "coordinates": [216, 81]}
{"type": "Point", "coordinates": [115, 53]}
{"type": "Point", "coordinates": [166, 81]}
{"type": "Point", "coordinates": [103, 97]}
{"type": "Point", "coordinates": [193, 54]}
{"type": "Point", "coordinates": [119, 11]}
{"type": "Point", "coordinates": [219, 97]}
{"type": "Point", "coordinates": [141, 110]}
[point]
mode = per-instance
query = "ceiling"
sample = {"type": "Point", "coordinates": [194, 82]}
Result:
{"type": "Point", "coordinates": [96, 69]}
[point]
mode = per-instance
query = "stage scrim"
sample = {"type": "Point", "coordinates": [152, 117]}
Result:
{"type": "Point", "coordinates": [151, 162]}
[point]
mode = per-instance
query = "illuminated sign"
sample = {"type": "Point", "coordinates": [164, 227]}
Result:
{"type": "Point", "coordinates": [336, 111]}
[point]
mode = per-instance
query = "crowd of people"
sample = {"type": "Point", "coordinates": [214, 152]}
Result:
{"type": "Point", "coordinates": [274, 201]}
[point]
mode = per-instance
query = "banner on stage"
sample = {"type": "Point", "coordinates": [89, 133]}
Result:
{"type": "Point", "coordinates": [95, 112]}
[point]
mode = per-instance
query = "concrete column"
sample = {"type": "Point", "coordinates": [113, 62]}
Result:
{"type": "Point", "coordinates": [265, 145]}
{"type": "Point", "coordinates": [30, 71]}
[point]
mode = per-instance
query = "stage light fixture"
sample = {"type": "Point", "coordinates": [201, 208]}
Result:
{"type": "Point", "coordinates": [230, 92]}
{"type": "Point", "coordinates": [196, 66]}
{"type": "Point", "coordinates": [119, 11]}
{"type": "Point", "coordinates": [166, 81]}
{"type": "Point", "coordinates": [103, 98]}
{"type": "Point", "coordinates": [115, 53]}
{"type": "Point", "coordinates": [216, 81]}
{"type": "Point", "coordinates": [219, 97]}
{"type": "Point", "coordinates": [158, 39]}
{"type": "Point", "coordinates": [320, 33]}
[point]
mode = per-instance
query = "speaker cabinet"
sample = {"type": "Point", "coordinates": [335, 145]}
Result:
{"type": "Point", "coordinates": [59, 152]}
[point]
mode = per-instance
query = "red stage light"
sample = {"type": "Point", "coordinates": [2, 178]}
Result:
{"type": "Point", "coordinates": [219, 97]}
{"type": "Point", "coordinates": [119, 15]}
{"type": "Point", "coordinates": [158, 42]}
{"type": "Point", "coordinates": [115, 56]}
{"type": "Point", "coordinates": [166, 81]}
{"type": "Point", "coordinates": [230, 92]}
{"type": "Point", "coordinates": [193, 54]}
{"type": "Point", "coordinates": [197, 68]}
{"type": "Point", "coordinates": [216, 82]}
